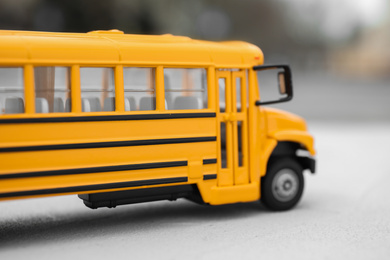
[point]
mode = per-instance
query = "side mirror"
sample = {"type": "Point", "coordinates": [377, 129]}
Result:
{"type": "Point", "coordinates": [284, 82]}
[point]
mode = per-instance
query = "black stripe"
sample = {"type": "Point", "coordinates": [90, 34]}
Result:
{"type": "Point", "coordinates": [209, 176]}
{"type": "Point", "coordinates": [114, 168]}
{"type": "Point", "coordinates": [107, 186]}
{"type": "Point", "coordinates": [105, 118]}
{"type": "Point", "coordinates": [108, 144]}
{"type": "Point", "coordinates": [209, 161]}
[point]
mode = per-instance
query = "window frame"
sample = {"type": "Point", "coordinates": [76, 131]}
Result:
{"type": "Point", "coordinates": [113, 68]}
{"type": "Point", "coordinates": [22, 90]}
{"type": "Point", "coordinates": [210, 87]}
{"type": "Point", "coordinates": [118, 71]}
{"type": "Point", "coordinates": [157, 87]}
{"type": "Point", "coordinates": [69, 70]}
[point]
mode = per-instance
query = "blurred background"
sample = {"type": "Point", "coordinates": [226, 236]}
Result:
{"type": "Point", "coordinates": [338, 50]}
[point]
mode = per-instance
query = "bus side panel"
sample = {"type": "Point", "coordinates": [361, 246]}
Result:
{"type": "Point", "coordinates": [29, 134]}
{"type": "Point", "coordinates": [99, 153]}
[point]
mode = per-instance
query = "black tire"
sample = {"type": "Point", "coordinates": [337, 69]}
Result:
{"type": "Point", "coordinates": [282, 186]}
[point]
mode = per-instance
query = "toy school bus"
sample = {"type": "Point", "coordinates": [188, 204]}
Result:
{"type": "Point", "coordinates": [120, 119]}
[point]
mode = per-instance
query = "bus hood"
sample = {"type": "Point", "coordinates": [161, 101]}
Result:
{"type": "Point", "coordinates": [285, 126]}
{"type": "Point", "coordinates": [279, 120]}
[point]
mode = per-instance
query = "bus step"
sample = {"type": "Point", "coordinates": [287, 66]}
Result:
{"type": "Point", "coordinates": [116, 198]}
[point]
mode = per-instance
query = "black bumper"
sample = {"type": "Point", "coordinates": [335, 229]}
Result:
{"type": "Point", "coordinates": [307, 163]}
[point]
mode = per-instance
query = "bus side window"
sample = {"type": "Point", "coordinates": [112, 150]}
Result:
{"type": "Point", "coordinates": [97, 87]}
{"type": "Point", "coordinates": [11, 90]}
{"type": "Point", "coordinates": [52, 89]}
{"type": "Point", "coordinates": [140, 88]}
{"type": "Point", "coordinates": [185, 88]}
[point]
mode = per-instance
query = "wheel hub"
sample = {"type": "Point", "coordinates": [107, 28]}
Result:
{"type": "Point", "coordinates": [285, 185]}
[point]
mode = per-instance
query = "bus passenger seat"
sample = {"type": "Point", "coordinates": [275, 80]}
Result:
{"type": "Point", "coordinates": [58, 105]}
{"type": "Point", "coordinates": [109, 104]}
{"type": "Point", "coordinates": [41, 105]}
{"type": "Point", "coordinates": [168, 95]}
{"type": "Point", "coordinates": [14, 105]}
{"type": "Point", "coordinates": [86, 107]}
{"type": "Point", "coordinates": [182, 102]}
{"type": "Point", "coordinates": [127, 105]}
{"type": "Point", "coordinates": [94, 102]}
{"type": "Point", "coordinates": [130, 104]}
{"type": "Point", "coordinates": [147, 103]}
{"type": "Point", "coordinates": [68, 105]}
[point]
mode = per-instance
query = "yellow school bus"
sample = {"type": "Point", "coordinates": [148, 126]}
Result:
{"type": "Point", "coordinates": [121, 119]}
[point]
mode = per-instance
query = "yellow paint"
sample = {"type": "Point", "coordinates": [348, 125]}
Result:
{"type": "Point", "coordinates": [29, 93]}
{"type": "Point", "coordinates": [119, 94]}
{"type": "Point", "coordinates": [284, 126]}
{"type": "Point", "coordinates": [262, 127]}
{"type": "Point", "coordinates": [75, 91]}
{"type": "Point", "coordinates": [160, 104]}
{"type": "Point", "coordinates": [233, 194]}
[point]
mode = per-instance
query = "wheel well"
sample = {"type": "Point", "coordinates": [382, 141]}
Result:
{"type": "Point", "coordinates": [286, 149]}
{"type": "Point", "coordinates": [293, 149]}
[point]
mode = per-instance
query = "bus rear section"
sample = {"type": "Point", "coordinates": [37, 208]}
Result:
{"type": "Point", "coordinates": [168, 141]}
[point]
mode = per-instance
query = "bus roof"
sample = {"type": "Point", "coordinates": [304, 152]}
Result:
{"type": "Point", "coordinates": [115, 47]}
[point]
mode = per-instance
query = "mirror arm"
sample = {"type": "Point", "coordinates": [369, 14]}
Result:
{"type": "Point", "coordinates": [259, 103]}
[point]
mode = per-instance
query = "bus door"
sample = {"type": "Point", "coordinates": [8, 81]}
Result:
{"type": "Point", "coordinates": [233, 128]}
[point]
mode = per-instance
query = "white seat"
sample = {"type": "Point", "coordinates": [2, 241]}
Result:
{"type": "Point", "coordinates": [109, 104]}
{"type": "Point", "coordinates": [14, 105]}
{"type": "Point", "coordinates": [147, 103]}
{"type": "Point", "coordinates": [168, 102]}
{"type": "Point", "coordinates": [85, 106]}
{"type": "Point", "coordinates": [168, 95]}
{"type": "Point", "coordinates": [182, 102]}
{"type": "Point", "coordinates": [127, 105]}
{"type": "Point", "coordinates": [68, 105]}
{"type": "Point", "coordinates": [94, 103]}
{"type": "Point", "coordinates": [58, 105]}
{"type": "Point", "coordinates": [41, 105]}
{"type": "Point", "coordinates": [130, 104]}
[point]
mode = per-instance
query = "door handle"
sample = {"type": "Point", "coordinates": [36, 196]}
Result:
{"type": "Point", "coordinates": [230, 117]}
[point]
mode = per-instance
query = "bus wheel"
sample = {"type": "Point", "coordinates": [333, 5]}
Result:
{"type": "Point", "coordinates": [282, 186]}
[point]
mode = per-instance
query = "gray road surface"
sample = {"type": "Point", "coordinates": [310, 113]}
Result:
{"type": "Point", "coordinates": [344, 214]}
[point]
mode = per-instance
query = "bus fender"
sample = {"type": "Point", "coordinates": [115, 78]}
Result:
{"type": "Point", "coordinates": [301, 138]}
{"type": "Point", "coordinates": [296, 136]}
